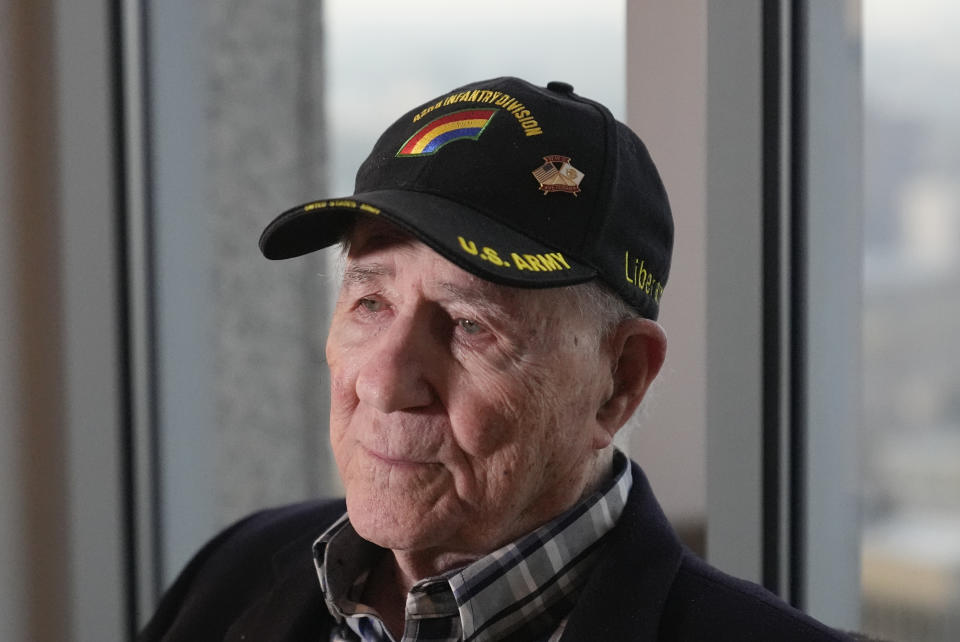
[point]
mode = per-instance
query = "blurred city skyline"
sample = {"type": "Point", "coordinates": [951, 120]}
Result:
{"type": "Point", "coordinates": [911, 303]}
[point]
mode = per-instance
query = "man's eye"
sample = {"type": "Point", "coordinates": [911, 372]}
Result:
{"type": "Point", "coordinates": [468, 326]}
{"type": "Point", "coordinates": [371, 305]}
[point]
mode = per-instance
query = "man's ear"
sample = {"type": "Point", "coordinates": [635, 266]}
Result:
{"type": "Point", "coordinates": [637, 348]}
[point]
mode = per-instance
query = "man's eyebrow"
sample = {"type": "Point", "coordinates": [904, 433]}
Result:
{"type": "Point", "coordinates": [358, 274]}
{"type": "Point", "coordinates": [482, 296]}
{"type": "Point", "coordinates": [486, 297]}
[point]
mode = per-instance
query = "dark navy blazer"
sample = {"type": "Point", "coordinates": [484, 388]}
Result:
{"type": "Point", "coordinates": [256, 582]}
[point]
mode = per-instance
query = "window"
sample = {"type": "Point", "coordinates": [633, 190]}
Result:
{"type": "Point", "coordinates": [911, 302]}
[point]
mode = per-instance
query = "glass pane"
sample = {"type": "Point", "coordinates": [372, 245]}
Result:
{"type": "Point", "coordinates": [911, 298]}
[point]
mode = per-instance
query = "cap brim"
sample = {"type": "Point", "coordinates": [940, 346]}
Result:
{"type": "Point", "coordinates": [462, 235]}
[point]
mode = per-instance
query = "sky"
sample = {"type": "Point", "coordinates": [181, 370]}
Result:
{"type": "Point", "coordinates": [911, 57]}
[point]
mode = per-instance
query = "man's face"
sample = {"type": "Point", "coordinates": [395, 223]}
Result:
{"type": "Point", "coordinates": [463, 413]}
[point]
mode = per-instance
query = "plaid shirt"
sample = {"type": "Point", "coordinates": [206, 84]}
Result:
{"type": "Point", "coordinates": [522, 591]}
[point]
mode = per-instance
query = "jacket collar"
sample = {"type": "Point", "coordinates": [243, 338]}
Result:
{"type": "Point", "coordinates": [623, 599]}
{"type": "Point", "coordinates": [293, 607]}
{"type": "Point", "coordinates": [627, 590]}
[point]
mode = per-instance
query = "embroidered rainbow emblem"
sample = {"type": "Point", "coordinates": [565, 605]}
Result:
{"type": "Point", "coordinates": [467, 123]}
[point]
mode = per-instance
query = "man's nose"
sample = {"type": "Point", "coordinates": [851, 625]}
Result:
{"type": "Point", "coordinates": [395, 376]}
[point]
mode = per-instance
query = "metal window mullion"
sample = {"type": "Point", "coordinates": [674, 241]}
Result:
{"type": "Point", "coordinates": [773, 317]}
{"type": "Point", "coordinates": [797, 344]}
{"type": "Point", "coordinates": [783, 302]}
{"type": "Point", "coordinates": [754, 323]}
{"type": "Point", "coordinates": [735, 288]}
{"type": "Point", "coordinates": [87, 142]}
{"type": "Point", "coordinates": [143, 499]}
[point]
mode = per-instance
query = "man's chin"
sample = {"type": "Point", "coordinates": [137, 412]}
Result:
{"type": "Point", "coordinates": [395, 524]}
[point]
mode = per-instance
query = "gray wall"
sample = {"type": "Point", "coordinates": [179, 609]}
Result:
{"type": "Point", "coordinates": [31, 407]}
{"type": "Point", "coordinates": [60, 533]}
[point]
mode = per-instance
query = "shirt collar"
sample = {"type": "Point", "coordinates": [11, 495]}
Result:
{"type": "Point", "coordinates": [528, 585]}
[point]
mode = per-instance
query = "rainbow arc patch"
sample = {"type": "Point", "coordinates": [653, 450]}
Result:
{"type": "Point", "coordinates": [466, 123]}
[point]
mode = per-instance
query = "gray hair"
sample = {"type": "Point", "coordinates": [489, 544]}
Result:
{"type": "Point", "coordinates": [595, 300]}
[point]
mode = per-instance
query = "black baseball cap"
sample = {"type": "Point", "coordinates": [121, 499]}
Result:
{"type": "Point", "coordinates": [520, 185]}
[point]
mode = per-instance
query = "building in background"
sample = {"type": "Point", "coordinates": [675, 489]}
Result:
{"type": "Point", "coordinates": [911, 322]}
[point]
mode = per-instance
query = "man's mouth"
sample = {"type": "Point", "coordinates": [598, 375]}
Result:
{"type": "Point", "coordinates": [397, 460]}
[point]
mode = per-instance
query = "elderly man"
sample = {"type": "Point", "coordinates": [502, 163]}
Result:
{"type": "Point", "coordinates": [505, 254]}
